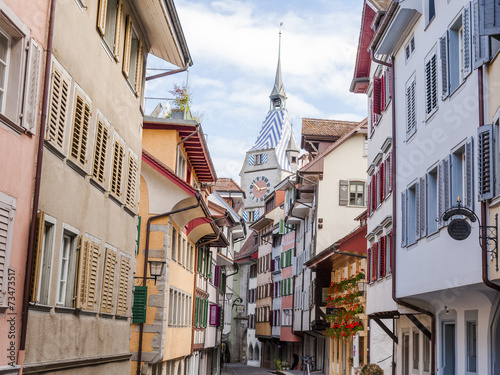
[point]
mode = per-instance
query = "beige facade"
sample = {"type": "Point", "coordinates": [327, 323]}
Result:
{"type": "Point", "coordinates": [81, 288]}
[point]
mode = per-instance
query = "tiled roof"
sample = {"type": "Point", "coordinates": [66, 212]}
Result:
{"type": "Point", "coordinates": [381, 4]}
{"type": "Point", "coordinates": [326, 128]}
{"type": "Point", "coordinates": [227, 184]}
{"type": "Point", "coordinates": [248, 248]}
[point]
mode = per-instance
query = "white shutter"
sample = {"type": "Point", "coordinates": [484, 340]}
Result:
{"type": "Point", "coordinates": [411, 113]}
{"type": "Point", "coordinates": [418, 212]}
{"type": "Point", "coordinates": [423, 206]}
{"type": "Point", "coordinates": [469, 177]}
{"type": "Point", "coordinates": [30, 107]}
{"type": "Point", "coordinates": [467, 40]}
{"type": "Point", "coordinates": [403, 219]}
{"type": "Point", "coordinates": [446, 183]}
{"type": "Point", "coordinates": [443, 47]}
{"type": "Point", "coordinates": [431, 84]}
{"type": "Point", "coordinates": [440, 193]}
{"type": "Point", "coordinates": [485, 150]}
{"type": "Point", "coordinates": [6, 222]}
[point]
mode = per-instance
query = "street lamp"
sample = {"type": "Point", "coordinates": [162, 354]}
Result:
{"type": "Point", "coordinates": [156, 269]}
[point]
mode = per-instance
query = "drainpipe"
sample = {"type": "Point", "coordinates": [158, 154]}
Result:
{"type": "Point", "coordinates": [394, 227]}
{"type": "Point", "coordinates": [145, 266]}
{"type": "Point", "coordinates": [484, 207]}
{"type": "Point", "coordinates": [36, 193]}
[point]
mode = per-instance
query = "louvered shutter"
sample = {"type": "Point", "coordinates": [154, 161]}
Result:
{"type": "Point", "coordinates": [369, 199]}
{"type": "Point", "coordinates": [217, 276]}
{"type": "Point", "coordinates": [140, 304]}
{"type": "Point", "coordinates": [196, 311]}
{"type": "Point", "coordinates": [382, 181]}
{"type": "Point", "coordinates": [443, 49]}
{"type": "Point", "coordinates": [108, 282]}
{"type": "Point", "coordinates": [128, 46]}
{"type": "Point", "coordinates": [377, 104]}
{"type": "Point", "coordinates": [273, 267]}
{"type": "Point", "coordinates": [403, 219]}
{"type": "Point", "coordinates": [59, 93]}
{"type": "Point", "coordinates": [94, 265]}
{"type": "Point", "coordinates": [446, 183]}
{"type": "Point", "coordinates": [431, 84]}
{"type": "Point", "coordinates": [118, 32]}
{"type": "Point", "coordinates": [375, 261]}
{"type": "Point", "coordinates": [369, 265]}
{"type": "Point", "coordinates": [37, 256]}
{"type": "Point", "coordinates": [389, 246]}
{"type": "Point", "coordinates": [372, 116]}
{"type": "Point", "coordinates": [489, 15]}
{"type": "Point", "coordinates": [417, 212]}
{"type": "Point", "coordinates": [87, 274]}
{"type": "Point", "coordinates": [131, 180]}
{"type": "Point", "coordinates": [138, 73]}
{"type": "Point", "coordinates": [116, 172]}
{"type": "Point", "coordinates": [469, 174]}
{"type": "Point", "coordinates": [480, 43]}
{"type": "Point", "coordinates": [81, 122]}
{"type": "Point", "coordinates": [466, 40]}
{"type": "Point", "coordinates": [485, 150]}
{"type": "Point", "coordinates": [411, 111]}
{"type": "Point", "coordinates": [213, 314]}
{"type": "Point", "coordinates": [441, 204]}
{"type": "Point", "coordinates": [374, 192]}
{"type": "Point", "coordinates": [343, 192]}
{"type": "Point", "coordinates": [251, 159]}
{"type": "Point", "coordinates": [271, 292]}
{"type": "Point", "coordinates": [30, 115]}
{"type": "Point", "coordinates": [423, 206]}
{"type": "Point", "coordinates": [101, 16]}
{"type": "Point", "coordinates": [101, 144]}
{"type": "Point", "coordinates": [390, 81]}
{"type": "Point", "coordinates": [382, 92]}
{"type": "Point", "coordinates": [256, 215]}
{"type": "Point", "coordinates": [383, 251]}
{"type": "Point", "coordinates": [6, 234]}
{"type": "Point", "coordinates": [390, 171]}
{"type": "Point", "coordinates": [123, 282]}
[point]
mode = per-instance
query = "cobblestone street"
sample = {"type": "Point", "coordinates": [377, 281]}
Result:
{"type": "Point", "coordinates": [239, 369]}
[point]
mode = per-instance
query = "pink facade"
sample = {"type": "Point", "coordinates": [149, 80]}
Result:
{"type": "Point", "coordinates": [288, 242]}
{"type": "Point", "coordinates": [23, 34]}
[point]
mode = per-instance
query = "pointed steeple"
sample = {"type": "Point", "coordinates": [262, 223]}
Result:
{"type": "Point", "coordinates": [278, 95]}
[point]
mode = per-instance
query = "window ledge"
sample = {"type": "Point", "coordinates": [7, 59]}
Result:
{"type": "Point", "coordinates": [429, 23]}
{"type": "Point", "coordinates": [121, 317]}
{"type": "Point", "coordinates": [97, 185]}
{"type": "Point", "coordinates": [11, 124]}
{"type": "Point", "coordinates": [114, 199]}
{"type": "Point", "coordinates": [65, 310]}
{"type": "Point", "coordinates": [128, 210]}
{"type": "Point", "coordinates": [433, 235]}
{"type": "Point", "coordinates": [41, 308]}
{"type": "Point", "coordinates": [54, 150]}
{"type": "Point", "coordinates": [429, 117]}
{"type": "Point", "coordinates": [85, 312]}
{"type": "Point", "coordinates": [108, 50]}
{"type": "Point", "coordinates": [106, 316]}
{"type": "Point", "coordinates": [77, 168]}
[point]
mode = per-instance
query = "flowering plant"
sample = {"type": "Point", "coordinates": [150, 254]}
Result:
{"type": "Point", "coordinates": [343, 297]}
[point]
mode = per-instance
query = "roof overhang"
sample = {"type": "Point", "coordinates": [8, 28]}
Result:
{"type": "Point", "coordinates": [261, 223]}
{"type": "Point", "coordinates": [164, 31]}
{"type": "Point", "coordinates": [195, 146]}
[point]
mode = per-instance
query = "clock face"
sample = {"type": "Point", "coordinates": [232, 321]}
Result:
{"type": "Point", "coordinates": [259, 187]}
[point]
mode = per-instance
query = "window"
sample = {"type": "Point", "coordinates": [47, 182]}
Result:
{"type": "Point", "coordinates": [432, 201]}
{"type": "Point", "coordinates": [7, 211]}
{"type": "Point", "coordinates": [100, 147]}
{"type": "Point", "coordinates": [356, 194]}
{"type": "Point", "coordinates": [411, 222]}
{"type": "Point", "coordinates": [431, 101]}
{"type": "Point", "coordinates": [67, 268]}
{"type": "Point", "coordinates": [131, 179]}
{"type": "Point", "coordinates": [416, 350]}
{"type": "Point", "coordinates": [455, 49]}
{"type": "Point", "coordinates": [448, 348]}
{"type": "Point", "coordinates": [411, 111]}
{"type": "Point", "coordinates": [81, 121]}
{"type": "Point", "coordinates": [457, 174]}
{"type": "Point", "coordinates": [181, 164]}
{"type": "Point", "coordinates": [42, 259]}
{"type": "Point", "coordinates": [174, 243]}
{"type": "Point", "coordinates": [117, 167]}
{"type": "Point", "coordinates": [20, 63]}
{"type": "Point", "coordinates": [133, 57]}
{"type": "Point", "coordinates": [427, 353]}
{"type": "Point", "coordinates": [109, 24]}
{"type": "Point", "coordinates": [409, 48]}
{"type": "Point", "coordinates": [406, 354]}
{"type": "Point", "coordinates": [471, 346]}
{"type": "Point", "coordinates": [431, 11]}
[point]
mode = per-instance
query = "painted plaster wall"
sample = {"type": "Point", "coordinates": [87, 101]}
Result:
{"type": "Point", "coordinates": [346, 162]}
{"type": "Point", "coordinates": [18, 153]}
{"type": "Point", "coordinates": [437, 261]}
{"type": "Point", "coordinates": [163, 143]}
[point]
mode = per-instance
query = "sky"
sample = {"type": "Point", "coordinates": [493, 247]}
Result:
{"type": "Point", "coordinates": [234, 48]}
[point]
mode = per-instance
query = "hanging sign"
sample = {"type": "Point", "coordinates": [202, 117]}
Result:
{"type": "Point", "coordinates": [459, 229]}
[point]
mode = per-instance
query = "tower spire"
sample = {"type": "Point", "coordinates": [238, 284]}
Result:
{"type": "Point", "coordinates": [278, 95]}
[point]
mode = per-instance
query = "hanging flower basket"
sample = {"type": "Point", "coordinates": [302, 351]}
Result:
{"type": "Point", "coordinates": [343, 299]}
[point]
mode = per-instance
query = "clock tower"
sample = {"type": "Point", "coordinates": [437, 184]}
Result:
{"type": "Point", "coordinates": [274, 155]}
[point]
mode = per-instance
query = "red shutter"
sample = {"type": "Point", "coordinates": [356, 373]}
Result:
{"type": "Point", "coordinates": [383, 247]}
{"type": "Point", "coordinates": [374, 191]}
{"type": "Point", "coordinates": [273, 265]}
{"type": "Point", "coordinates": [219, 316]}
{"type": "Point", "coordinates": [390, 253]}
{"type": "Point", "coordinates": [375, 261]}
{"type": "Point", "coordinates": [272, 290]}
{"type": "Point", "coordinates": [217, 276]}
{"type": "Point", "coordinates": [372, 117]}
{"type": "Point", "coordinates": [382, 93]}
{"type": "Point", "coordinates": [389, 160]}
{"type": "Point", "coordinates": [369, 265]}
{"type": "Point", "coordinates": [382, 181]}
{"type": "Point", "coordinates": [213, 315]}
{"type": "Point", "coordinates": [377, 104]}
{"type": "Point", "coordinates": [369, 200]}
{"type": "Point", "coordinates": [390, 82]}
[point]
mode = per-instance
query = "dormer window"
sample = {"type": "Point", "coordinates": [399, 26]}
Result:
{"type": "Point", "coordinates": [181, 164]}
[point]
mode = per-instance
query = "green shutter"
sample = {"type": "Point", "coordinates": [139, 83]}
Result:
{"type": "Point", "coordinates": [140, 304]}
{"type": "Point", "coordinates": [196, 311]}
{"type": "Point", "coordinates": [223, 282]}
{"type": "Point", "coordinates": [209, 265]}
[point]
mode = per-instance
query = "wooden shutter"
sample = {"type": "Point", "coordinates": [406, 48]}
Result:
{"type": "Point", "coordinates": [443, 48]}
{"type": "Point", "coordinates": [391, 88]}
{"type": "Point", "coordinates": [369, 265]}
{"type": "Point", "coordinates": [423, 206]}
{"type": "Point", "coordinates": [213, 314]}
{"type": "Point", "coordinates": [101, 144]}
{"type": "Point", "coordinates": [101, 16]}
{"type": "Point", "coordinates": [375, 261]}
{"type": "Point", "coordinates": [377, 104]}
{"type": "Point", "coordinates": [87, 274]}
{"type": "Point", "coordinates": [382, 256]}
{"type": "Point", "coordinates": [411, 111]}
{"type": "Point", "coordinates": [382, 181]}
{"type": "Point", "coordinates": [371, 115]}
{"type": "Point", "coordinates": [217, 276]}
{"type": "Point", "coordinates": [196, 311]}
{"type": "Point", "coordinates": [467, 40]}
{"type": "Point", "coordinates": [131, 180]}
{"type": "Point", "coordinates": [271, 291]}
{"type": "Point", "coordinates": [403, 219]}
{"type": "Point", "coordinates": [369, 199]}
{"type": "Point", "coordinates": [139, 307]}
{"type": "Point", "coordinates": [390, 170]}
{"type": "Point", "coordinates": [382, 92]}
{"type": "Point", "coordinates": [343, 192]}
{"type": "Point", "coordinates": [79, 138]}
{"type": "Point", "coordinates": [118, 31]}
{"type": "Point", "coordinates": [37, 256]}
{"type": "Point", "coordinates": [32, 83]}
{"type": "Point", "coordinates": [431, 84]}
{"type": "Point", "coordinates": [481, 45]}
{"type": "Point", "coordinates": [417, 213]}
{"type": "Point", "coordinates": [116, 173]}
{"type": "Point", "coordinates": [108, 282]}
{"type": "Point", "coordinates": [489, 16]}
{"type": "Point", "coordinates": [469, 174]}
{"type": "Point", "coordinates": [123, 282]}
{"type": "Point", "coordinates": [140, 64]}
{"type": "Point", "coordinates": [6, 234]}
{"type": "Point", "coordinates": [128, 46]}
{"type": "Point", "coordinates": [59, 93]}
{"type": "Point", "coordinates": [374, 192]}
{"type": "Point", "coordinates": [390, 252]}
{"type": "Point", "coordinates": [485, 150]}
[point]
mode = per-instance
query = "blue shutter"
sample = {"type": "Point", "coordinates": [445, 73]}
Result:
{"type": "Point", "coordinates": [256, 215]}
{"type": "Point", "coordinates": [480, 43]}
{"type": "Point", "coordinates": [251, 159]}
{"type": "Point", "coordinates": [264, 158]}
{"type": "Point", "coordinates": [489, 17]}
{"type": "Point", "coordinates": [417, 212]}
{"type": "Point", "coordinates": [423, 206]}
{"type": "Point", "coordinates": [245, 216]}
